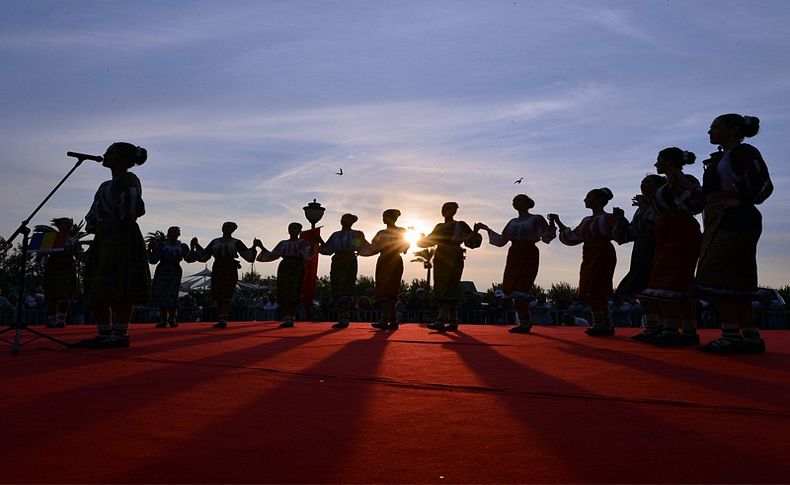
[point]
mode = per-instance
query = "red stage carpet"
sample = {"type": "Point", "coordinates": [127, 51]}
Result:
{"type": "Point", "coordinates": [254, 403]}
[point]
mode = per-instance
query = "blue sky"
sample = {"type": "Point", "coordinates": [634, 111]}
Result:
{"type": "Point", "coordinates": [248, 108]}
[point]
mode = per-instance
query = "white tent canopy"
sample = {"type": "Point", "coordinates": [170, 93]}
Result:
{"type": "Point", "coordinates": [202, 281]}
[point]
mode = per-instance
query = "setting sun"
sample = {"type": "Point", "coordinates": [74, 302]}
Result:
{"type": "Point", "coordinates": [413, 235]}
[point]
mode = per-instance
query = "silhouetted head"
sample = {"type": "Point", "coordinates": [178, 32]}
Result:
{"type": "Point", "coordinates": [449, 209]}
{"type": "Point", "coordinates": [523, 203]}
{"type": "Point", "coordinates": [390, 216]}
{"type": "Point", "coordinates": [122, 155]}
{"type": "Point", "coordinates": [732, 127]}
{"type": "Point", "coordinates": [348, 220]}
{"type": "Point", "coordinates": [229, 227]}
{"type": "Point", "coordinates": [651, 183]}
{"type": "Point", "coordinates": [673, 157]}
{"type": "Point", "coordinates": [598, 198]}
{"type": "Point", "coordinates": [294, 229]}
{"type": "Point", "coordinates": [64, 224]}
{"type": "Point", "coordinates": [173, 232]}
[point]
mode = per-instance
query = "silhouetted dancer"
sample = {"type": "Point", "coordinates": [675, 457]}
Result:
{"type": "Point", "coordinates": [225, 270]}
{"type": "Point", "coordinates": [167, 255]}
{"type": "Point", "coordinates": [389, 244]}
{"type": "Point", "coordinates": [678, 238]}
{"type": "Point", "coordinates": [597, 232]}
{"type": "Point", "coordinates": [343, 246]}
{"type": "Point", "coordinates": [735, 180]}
{"type": "Point", "coordinates": [116, 268]}
{"type": "Point", "coordinates": [448, 261]}
{"type": "Point", "coordinates": [290, 272]}
{"type": "Point", "coordinates": [523, 257]}
{"type": "Point", "coordinates": [640, 232]}
{"type": "Point", "coordinates": [60, 273]}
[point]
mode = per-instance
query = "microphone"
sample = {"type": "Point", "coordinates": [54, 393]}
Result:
{"type": "Point", "coordinates": [83, 156]}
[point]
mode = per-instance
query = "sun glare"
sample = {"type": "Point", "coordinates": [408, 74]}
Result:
{"type": "Point", "coordinates": [413, 234]}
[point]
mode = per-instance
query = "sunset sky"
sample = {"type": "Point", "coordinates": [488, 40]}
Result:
{"type": "Point", "coordinates": [248, 108]}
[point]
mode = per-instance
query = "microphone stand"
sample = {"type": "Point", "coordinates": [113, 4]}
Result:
{"type": "Point", "coordinates": [20, 324]}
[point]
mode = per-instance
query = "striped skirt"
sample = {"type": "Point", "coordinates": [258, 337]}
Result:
{"type": "Point", "coordinates": [116, 266]}
{"type": "Point", "coordinates": [728, 258]}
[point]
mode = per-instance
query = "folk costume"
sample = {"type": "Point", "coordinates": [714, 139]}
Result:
{"type": "Point", "coordinates": [678, 239]}
{"type": "Point", "coordinates": [448, 266]}
{"type": "Point", "coordinates": [599, 259]}
{"type": "Point", "coordinates": [167, 276]}
{"type": "Point", "coordinates": [389, 243]}
{"type": "Point", "coordinates": [640, 232]}
{"type": "Point", "coordinates": [60, 280]}
{"type": "Point", "coordinates": [225, 270]}
{"type": "Point", "coordinates": [116, 267]}
{"type": "Point", "coordinates": [727, 269]}
{"type": "Point", "coordinates": [523, 259]}
{"type": "Point", "coordinates": [343, 246]}
{"type": "Point", "coordinates": [290, 272]}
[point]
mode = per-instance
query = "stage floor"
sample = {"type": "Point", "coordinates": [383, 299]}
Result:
{"type": "Point", "coordinates": [254, 403]}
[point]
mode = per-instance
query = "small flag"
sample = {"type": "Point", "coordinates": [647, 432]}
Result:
{"type": "Point", "coordinates": [47, 242]}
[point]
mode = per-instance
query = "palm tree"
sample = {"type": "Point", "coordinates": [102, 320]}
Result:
{"type": "Point", "coordinates": [76, 229]}
{"type": "Point", "coordinates": [156, 236]}
{"type": "Point", "coordinates": [425, 257]}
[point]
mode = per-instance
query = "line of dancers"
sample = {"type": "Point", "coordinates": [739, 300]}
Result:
{"type": "Point", "coordinates": [673, 261]}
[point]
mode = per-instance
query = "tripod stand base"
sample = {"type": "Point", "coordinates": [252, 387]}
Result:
{"type": "Point", "coordinates": [17, 343]}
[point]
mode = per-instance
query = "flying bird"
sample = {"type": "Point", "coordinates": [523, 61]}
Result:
{"type": "Point", "coordinates": [340, 172]}
{"type": "Point", "coordinates": [519, 180]}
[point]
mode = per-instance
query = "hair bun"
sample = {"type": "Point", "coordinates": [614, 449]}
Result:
{"type": "Point", "coordinates": [141, 156]}
{"type": "Point", "coordinates": [751, 125]}
{"type": "Point", "coordinates": [607, 194]}
{"type": "Point", "coordinates": [688, 157]}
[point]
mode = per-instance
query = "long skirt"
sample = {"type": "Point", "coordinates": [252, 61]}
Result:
{"type": "Point", "coordinates": [728, 258]}
{"type": "Point", "coordinates": [290, 277]}
{"type": "Point", "coordinates": [521, 268]}
{"type": "Point", "coordinates": [389, 271]}
{"type": "Point", "coordinates": [60, 278]}
{"type": "Point", "coordinates": [448, 264]}
{"type": "Point", "coordinates": [642, 254]}
{"type": "Point", "coordinates": [678, 240]}
{"type": "Point", "coordinates": [116, 266]}
{"type": "Point", "coordinates": [597, 270]}
{"type": "Point", "coordinates": [224, 276]}
{"type": "Point", "coordinates": [343, 275]}
{"type": "Point", "coordinates": [167, 282]}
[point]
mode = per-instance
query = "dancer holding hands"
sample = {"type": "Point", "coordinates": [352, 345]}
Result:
{"type": "Point", "coordinates": [389, 243]}
{"type": "Point", "coordinates": [523, 257]}
{"type": "Point", "coordinates": [225, 270]}
{"type": "Point", "coordinates": [677, 245]}
{"type": "Point", "coordinates": [596, 232]}
{"type": "Point", "coordinates": [167, 255]}
{"type": "Point", "coordinates": [448, 236]}
{"type": "Point", "coordinates": [290, 272]}
{"type": "Point", "coordinates": [343, 246]}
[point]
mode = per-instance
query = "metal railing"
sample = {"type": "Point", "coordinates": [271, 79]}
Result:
{"type": "Point", "coordinates": [778, 319]}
